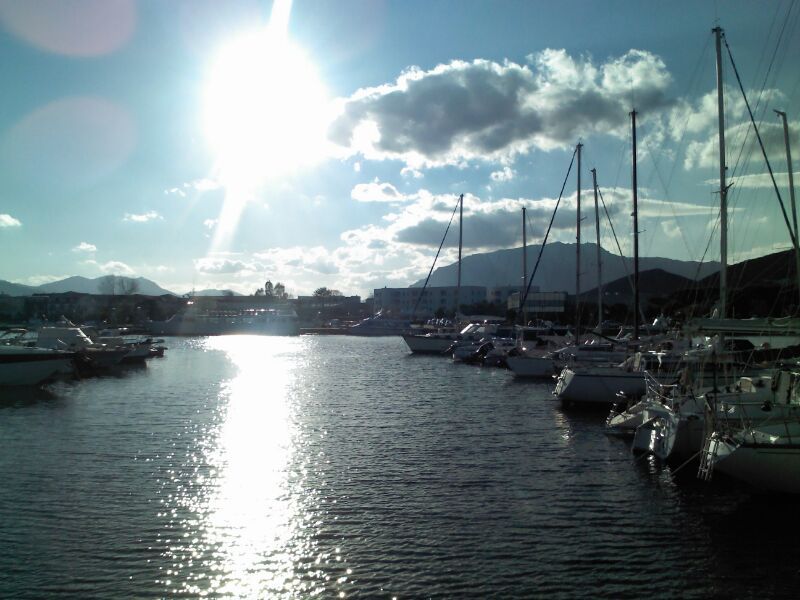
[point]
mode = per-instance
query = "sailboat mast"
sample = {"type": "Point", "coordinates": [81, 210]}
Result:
{"type": "Point", "coordinates": [599, 259]}
{"type": "Point", "coordinates": [782, 115]}
{"type": "Point", "coordinates": [634, 185]}
{"type": "Point", "coordinates": [578, 246]}
{"type": "Point", "coordinates": [524, 269]}
{"type": "Point", "coordinates": [723, 188]}
{"type": "Point", "coordinates": [460, 244]}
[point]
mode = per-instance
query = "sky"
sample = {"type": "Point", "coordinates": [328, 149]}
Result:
{"type": "Point", "coordinates": [206, 144]}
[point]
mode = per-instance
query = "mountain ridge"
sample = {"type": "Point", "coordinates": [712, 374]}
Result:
{"type": "Point", "coordinates": [106, 284]}
{"type": "Point", "coordinates": [556, 272]}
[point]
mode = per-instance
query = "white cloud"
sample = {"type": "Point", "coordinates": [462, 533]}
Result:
{"type": "Point", "coordinates": [204, 184]}
{"type": "Point", "coordinates": [7, 220]}
{"type": "Point", "coordinates": [85, 247]}
{"type": "Point", "coordinates": [210, 223]}
{"type": "Point", "coordinates": [42, 279]}
{"type": "Point", "coordinates": [740, 139]}
{"type": "Point", "coordinates": [220, 265]}
{"type": "Point", "coordinates": [112, 267]}
{"type": "Point", "coordinates": [484, 110]}
{"type": "Point", "coordinates": [376, 191]}
{"type": "Point", "coordinates": [759, 180]}
{"type": "Point", "coordinates": [142, 218]}
{"type": "Point", "coordinates": [505, 174]}
{"type": "Point", "coordinates": [409, 172]}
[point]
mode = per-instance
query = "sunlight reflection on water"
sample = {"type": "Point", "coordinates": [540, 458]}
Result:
{"type": "Point", "coordinates": [250, 519]}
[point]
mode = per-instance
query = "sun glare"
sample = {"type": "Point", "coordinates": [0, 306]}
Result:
{"type": "Point", "coordinates": [265, 109]}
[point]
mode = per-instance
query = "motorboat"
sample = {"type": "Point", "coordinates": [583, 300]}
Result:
{"type": "Point", "coordinates": [31, 366]}
{"type": "Point", "coordinates": [90, 355]}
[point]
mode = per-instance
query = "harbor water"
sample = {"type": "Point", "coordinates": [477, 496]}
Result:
{"type": "Point", "coordinates": [331, 466]}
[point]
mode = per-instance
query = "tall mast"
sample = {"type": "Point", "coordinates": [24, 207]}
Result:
{"type": "Point", "coordinates": [460, 243]}
{"type": "Point", "coordinates": [524, 269]}
{"type": "Point", "coordinates": [634, 185]}
{"type": "Point", "coordinates": [723, 188]}
{"type": "Point", "coordinates": [578, 247]}
{"type": "Point", "coordinates": [599, 259]}
{"type": "Point", "coordinates": [782, 115]}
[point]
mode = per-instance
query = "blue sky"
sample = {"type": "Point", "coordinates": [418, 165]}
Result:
{"type": "Point", "coordinates": [209, 144]}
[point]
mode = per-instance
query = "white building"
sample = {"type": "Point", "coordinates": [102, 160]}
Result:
{"type": "Point", "coordinates": [401, 301]}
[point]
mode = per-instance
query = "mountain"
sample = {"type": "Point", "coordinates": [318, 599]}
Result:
{"type": "Point", "coordinates": [108, 284]}
{"type": "Point", "coordinates": [556, 271]}
{"type": "Point", "coordinates": [15, 289]}
{"type": "Point", "coordinates": [656, 282]}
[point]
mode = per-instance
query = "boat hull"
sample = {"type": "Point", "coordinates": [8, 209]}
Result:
{"type": "Point", "coordinates": [532, 367]}
{"type": "Point", "coordinates": [422, 344]}
{"type": "Point", "coordinates": [775, 468]}
{"type": "Point", "coordinates": [34, 369]}
{"type": "Point", "coordinates": [598, 385]}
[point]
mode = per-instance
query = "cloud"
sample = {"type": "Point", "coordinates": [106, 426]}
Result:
{"type": "Point", "coordinates": [7, 220]}
{"type": "Point", "coordinates": [760, 180]}
{"type": "Point", "coordinates": [42, 279]}
{"type": "Point", "coordinates": [204, 184]}
{"type": "Point", "coordinates": [484, 110]}
{"type": "Point", "coordinates": [741, 141]}
{"type": "Point", "coordinates": [409, 172]}
{"type": "Point", "coordinates": [85, 247]}
{"type": "Point", "coordinates": [376, 191]}
{"type": "Point", "coordinates": [142, 218]}
{"type": "Point", "coordinates": [217, 265]}
{"type": "Point", "coordinates": [505, 174]}
{"type": "Point", "coordinates": [112, 267]}
{"type": "Point", "coordinates": [210, 223]}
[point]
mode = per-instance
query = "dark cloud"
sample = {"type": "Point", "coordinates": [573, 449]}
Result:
{"type": "Point", "coordinates": [482, 109]}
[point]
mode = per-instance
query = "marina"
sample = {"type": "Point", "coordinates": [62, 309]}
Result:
{"type": "Point", "coordinates": [276, 466]}
{"type": "Point", "coordinates": [366, 376]}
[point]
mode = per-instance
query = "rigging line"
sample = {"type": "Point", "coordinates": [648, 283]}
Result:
{"type": "Point", "coordinates": [427, 279]}
{"type": "Point", "coordinates": [761, 144]}
{"type": "Point", "coordinates": [763, 85]}
{"type": "Point", "coordinates": [547, 233]}
{"type": "Point", "coordinates": [703, 257]}
{"type": "Point", "coordinates": [621, 257]}
{"type": "Point", "coordinates": [692, 83]}
{"type": "Point", "coordinates": [611, 223]}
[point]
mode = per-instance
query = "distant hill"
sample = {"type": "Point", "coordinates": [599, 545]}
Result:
{"type": "Point", "coordinates": [776, 269]}
{"type": "Point", "coordinates": [556, 271]}
{"type": "Point", "coordinates": [108, 284]}
{"type": "Point", "coordinates": [15, 289]}
{"type": "Point", "coordinates": [655, 282]}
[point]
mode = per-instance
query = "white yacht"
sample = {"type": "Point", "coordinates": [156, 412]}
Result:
{"type": "Point", "coordinates": [766, 456]}
{"type": "Point", "coordinates": [26, 366]}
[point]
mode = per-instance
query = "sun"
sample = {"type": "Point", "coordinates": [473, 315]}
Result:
{"type": "Point", "coordinates": [266, 110]}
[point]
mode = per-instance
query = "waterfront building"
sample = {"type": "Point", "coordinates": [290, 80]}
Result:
{"type": "Point", "coordinates": [401, 301]}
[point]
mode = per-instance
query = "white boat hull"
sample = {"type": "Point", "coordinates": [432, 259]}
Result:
{"type": "Point", "coordinates": [774, 468]}
{"type": "Point", "coordinates": [598, 385]}
{"type": "Point", "coordinates": [35, 369]}
{"type": "Point", "coordinates": [533, 367]}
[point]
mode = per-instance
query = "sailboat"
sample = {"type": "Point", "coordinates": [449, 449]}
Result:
{"type": "Point", "coordinates": [623, 377]}
{"type": "Point", "coordinates": [677, 423]}
{"type": "Point", "coordinates": [438, 342]}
